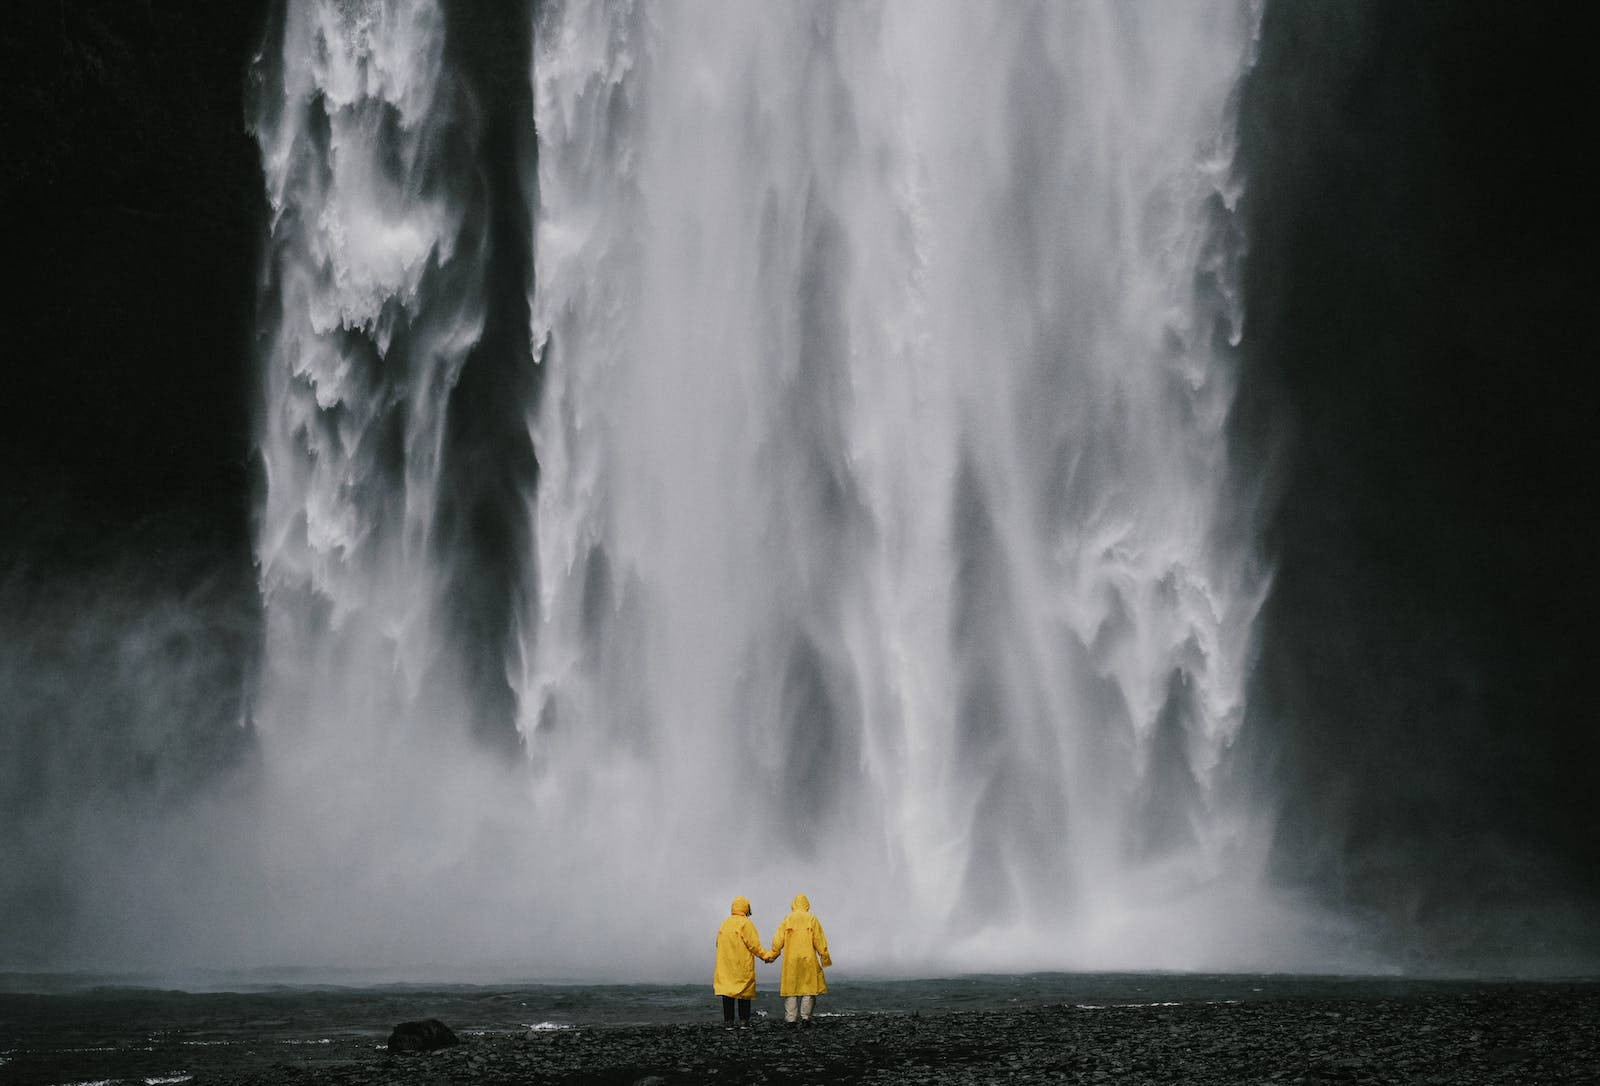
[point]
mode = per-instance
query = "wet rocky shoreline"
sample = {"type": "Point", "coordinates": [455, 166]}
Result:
{"type": "Point", "coordinates": [1546, 1036]}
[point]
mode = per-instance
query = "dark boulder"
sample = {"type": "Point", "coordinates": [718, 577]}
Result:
{"type": "Point", "coordinates": [423, 1036]}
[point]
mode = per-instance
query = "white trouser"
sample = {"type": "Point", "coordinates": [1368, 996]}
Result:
{"type": "Point", "coordinates": [804, 1004]}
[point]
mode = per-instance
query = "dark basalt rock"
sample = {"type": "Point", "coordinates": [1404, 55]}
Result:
{"type": "Point", "coordinates": [423, 1036]}
{"type": "Point", "coordinates": [1505, 1035]}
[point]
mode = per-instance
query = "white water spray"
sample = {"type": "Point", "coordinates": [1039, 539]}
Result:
{"type": "Point", "coordinates": [885, 546]}
{"type": "Point", "coordinates": [374, 796]}
{"type": "Point", "coordinates": [885, 541]}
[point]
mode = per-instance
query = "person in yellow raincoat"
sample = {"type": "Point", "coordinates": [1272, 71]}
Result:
{"type": "Point", "coordinates": [804, 947]}
{"type": "Point", "coordinates": [734, 978]}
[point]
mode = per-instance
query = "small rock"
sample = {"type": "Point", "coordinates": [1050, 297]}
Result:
{"type": "Point", "coordinates": [423, 1036]}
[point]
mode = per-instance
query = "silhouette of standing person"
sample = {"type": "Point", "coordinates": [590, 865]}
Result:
{"type": "Point", "coordinates": [804, 947]}
{"type": "Point", "coordinates": [734, 977]}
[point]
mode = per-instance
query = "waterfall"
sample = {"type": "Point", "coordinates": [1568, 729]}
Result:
{"type": "Point", "coordinates": [370, 307]}
{"type": "Point", "coordinates": [884, 543]}
{"type": "Point", "coordinates": [374, 301]}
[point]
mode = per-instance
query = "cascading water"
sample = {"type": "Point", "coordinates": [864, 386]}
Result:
{"type": "Point", "coordinates": [370, 311]}
{"type": "Point", "coordinates": [373, 304]}
{"type": "Point", "coordinates": [883, 534]}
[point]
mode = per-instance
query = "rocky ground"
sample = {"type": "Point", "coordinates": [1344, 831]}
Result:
{"type": "Point", "coordinates": [1540, 1037]}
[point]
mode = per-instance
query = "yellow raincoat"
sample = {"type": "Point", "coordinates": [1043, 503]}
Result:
{"type": "Point", "coordinates": [738, 945]}
{"type": "Point", "coordinates": [804, 947]}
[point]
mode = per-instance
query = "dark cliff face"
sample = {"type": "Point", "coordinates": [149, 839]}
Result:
{"type": "Point", "coordinates": [488, 466]}
{"type": "Point", "coordinates": [133, 206]}
{"type": "Point", "coordinates": [1421, 375]}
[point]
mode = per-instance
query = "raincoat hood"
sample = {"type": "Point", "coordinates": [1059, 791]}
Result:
{"type": "Point", "coordinates": [801, 903]}
{"type": "Point", "coordinates": [741, 906]}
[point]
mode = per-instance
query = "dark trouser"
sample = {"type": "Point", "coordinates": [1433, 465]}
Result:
{"type": "Point", "coordinates": [727, 1009]}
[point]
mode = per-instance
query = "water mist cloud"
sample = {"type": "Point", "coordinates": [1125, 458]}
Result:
{"type": "Point", "coordinates": [125, 700]}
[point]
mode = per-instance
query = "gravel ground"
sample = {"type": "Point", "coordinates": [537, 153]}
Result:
{"type": "Point", "coordinates": [1537, 1037]}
